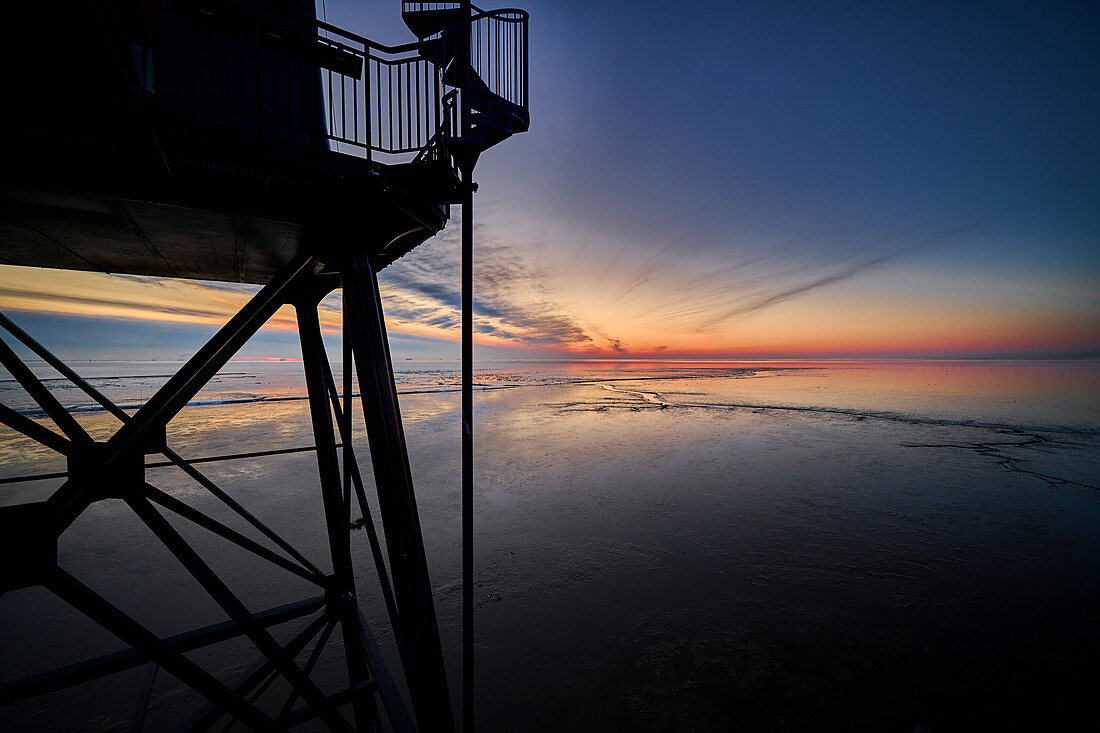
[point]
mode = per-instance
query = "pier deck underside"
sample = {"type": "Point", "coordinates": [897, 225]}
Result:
{"type": "Point", "coordinates": [215, 218]}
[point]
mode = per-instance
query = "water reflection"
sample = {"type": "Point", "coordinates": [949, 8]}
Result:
{"type": "Point", "coordinates": [781, 546]}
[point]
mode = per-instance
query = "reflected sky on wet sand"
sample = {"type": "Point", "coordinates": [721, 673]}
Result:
{"type": "Point", "coordinates": [660, 546]}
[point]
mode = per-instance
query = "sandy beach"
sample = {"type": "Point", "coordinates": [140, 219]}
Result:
{"type": "Point", "coordinates": [695, 546]}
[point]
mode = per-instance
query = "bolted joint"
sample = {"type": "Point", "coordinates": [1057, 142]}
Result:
{"type": "Point", "coordinates": [153, 440]}
{"type": "Point", "coordinates": [87, 465]}
{"type": "Point", "coordinates": [338, 599]}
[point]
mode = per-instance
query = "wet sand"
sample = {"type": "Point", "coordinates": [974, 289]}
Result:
{"type": "Point", "coordinates": [825, 548]}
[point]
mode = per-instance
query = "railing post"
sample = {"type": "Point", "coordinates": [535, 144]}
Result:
{"type": "Point", "coordinates": [526, 67]}
{"type": "Point", "coordinates": [368, 114]}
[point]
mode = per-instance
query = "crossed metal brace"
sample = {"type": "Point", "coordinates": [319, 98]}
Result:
{"type": "Point", "coordinates": [115, 468]}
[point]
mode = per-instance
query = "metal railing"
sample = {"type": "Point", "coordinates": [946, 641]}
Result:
{"type": "Point", "coordinates": [406, 109]}
{"type": "Point", "coordinates": [407, 7]}
{"type": "Point", "coordinates": [295, 78]}
{"type": "Point", "coordinates": [495, 82]}
{"type": "Point", "coordinates": [304, 80]}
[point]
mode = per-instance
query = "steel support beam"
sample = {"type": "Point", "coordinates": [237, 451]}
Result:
{"type": "Point", "coordinates": [408, 597]}
{"type": "Point", "coordinates": [178, 391]}
{"type": "Point", "coordinates": [237, 611]}
{"type": "Point", "coordinates": [387, 690]}
{"type": "Point", "coordinates": [262, 671]}
{"type": "Point", "coordinates": [420, 648]}
{"type": "Point", "coordinates": [71, 499]}
{"type": "Point", "coordinates": [83, 599]}
{"type": "Point", "coordinates": [311, 662]}
{"type": "Point", "coordinates": [210, 524]}
{"type": "Point", "coordinates": [34, 431]}
{"type": "Point", "coordinates": [347, 422]}
{"type": "Point", "coordinates": [176, 460]}
{"type": "Point", "coordinates": [108, 664]}
{"type": "Point", "coordinates": [352, 476]}
{"type": "Point", "coordinates": [337, 518]}
{"type": "Point", "coordinates": [233, 504]}
{"type": "Point", "coordinates": [41, 395]}
{"type": "Point", "coordinates": [305, 714]}
{"type": "Point", "coordinates": [61, 367]}
{"type": "Point", "coordinates": [141, 707]}
{"type": "Point", "coordinates": [52, 440]}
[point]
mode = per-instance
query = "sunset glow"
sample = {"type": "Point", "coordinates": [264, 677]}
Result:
{"type": "Point", "coordinates": [666, 316]}
{"type": "Point", "coordinates": [573, 366]}
{"type": "Point", "coordinates": [788, 197]}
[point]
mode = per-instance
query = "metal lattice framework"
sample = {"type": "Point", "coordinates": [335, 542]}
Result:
{"type": "Point", "coordinates": [232, 91]}
{"type": "Point", "coordinates": [116, 468]}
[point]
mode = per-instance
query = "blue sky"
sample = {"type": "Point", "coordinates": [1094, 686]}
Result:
{"type": "Point", "coordinates": [754, 178]}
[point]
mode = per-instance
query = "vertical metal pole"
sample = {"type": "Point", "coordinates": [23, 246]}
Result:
{"type": "Point", "coordinates": [468, 698]}
{"type": "Point", "coordinates": [468, 717]}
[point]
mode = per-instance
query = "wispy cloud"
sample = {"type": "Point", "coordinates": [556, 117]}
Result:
{"type": "Point", "coordinates": [513, 302]}
{"type": "Point", "coordinates": [870, 258]}
{"type": "Point", "coordinates": [618, 300]}
{"type": "Point", "coordinates": [133, 297]}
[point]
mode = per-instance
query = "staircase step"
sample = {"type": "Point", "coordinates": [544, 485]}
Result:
{"type": "Point", "coordinates": [424, 23]}
{"type": "Point", "coordinates": [480, 94]}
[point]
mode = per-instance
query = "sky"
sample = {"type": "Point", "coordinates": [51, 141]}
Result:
{"type": "Point", "coordinates": [729, 180]}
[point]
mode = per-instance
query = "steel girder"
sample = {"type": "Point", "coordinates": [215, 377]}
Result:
{"type": "Point", "coordinates": [115, 468]}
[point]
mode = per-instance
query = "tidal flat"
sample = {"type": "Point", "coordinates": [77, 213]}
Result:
{"type": "Point", "coordinates": [659, 546]}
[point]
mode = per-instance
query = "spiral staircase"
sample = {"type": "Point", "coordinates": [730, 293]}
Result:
{"type": "Point", "coordinates": [477, 54]}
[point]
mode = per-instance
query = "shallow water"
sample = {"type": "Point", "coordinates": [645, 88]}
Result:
{"type": "Point", "coordinates": [685, 546]}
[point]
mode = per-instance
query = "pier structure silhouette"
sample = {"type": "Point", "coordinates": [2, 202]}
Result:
{"type": "Point", "coordinates": [251, 142]}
